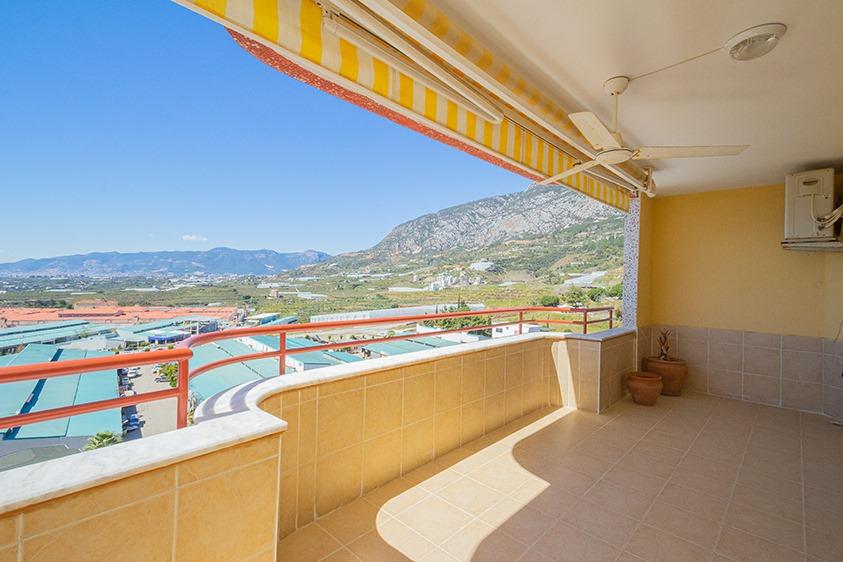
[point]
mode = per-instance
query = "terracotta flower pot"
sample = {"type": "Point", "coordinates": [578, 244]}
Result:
{"type": "Point", "coordinates": [673, 372]}
{"type": "Point", "coordinates": [644, 387]}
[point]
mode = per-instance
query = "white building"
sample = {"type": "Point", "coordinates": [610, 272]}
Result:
{"type": "Point", "coordinates": [512, 330]}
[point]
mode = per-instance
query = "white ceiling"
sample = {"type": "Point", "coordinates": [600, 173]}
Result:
{"type": "Point", "coordinates": [787, 105]}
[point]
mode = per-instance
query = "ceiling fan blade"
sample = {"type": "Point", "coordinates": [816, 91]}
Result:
{"type": "Point", "coordinates": [656, 152]}
{"type": "Point", "coordinates": [594, 130]}
{"type": "Point", "coordinates": [576, 169]}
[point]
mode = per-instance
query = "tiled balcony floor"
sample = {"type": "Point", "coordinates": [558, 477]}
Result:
{"type": "Point", "coordinates": [694, 478]}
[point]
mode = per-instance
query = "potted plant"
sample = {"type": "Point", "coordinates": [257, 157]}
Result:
{"type": "Point", "coordinates": [672, 370]}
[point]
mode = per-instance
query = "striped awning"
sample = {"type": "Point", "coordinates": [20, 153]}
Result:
{"type": "Point", "coordinates": [314, 43]}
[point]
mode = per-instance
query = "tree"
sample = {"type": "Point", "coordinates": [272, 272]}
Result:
{"type": "Point", "coordinates": [575, 296]}
{"type": "Point", "coordinates": [459, 322]}
{"type": "Point", "coordinates": [596, 293]}
{"type": "Point", "coordinates": [615, 291]}
{"type": "Point", "coordinates": [549, 300]}
{"type": "Point", "coordinates": [102, 439]}
{"type": "Point", "coordinates": [170, 371]}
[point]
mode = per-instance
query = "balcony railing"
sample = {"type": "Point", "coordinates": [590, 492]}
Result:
{"type": "Point", "coordinates": [182, 354]}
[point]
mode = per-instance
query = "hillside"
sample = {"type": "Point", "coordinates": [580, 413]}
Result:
{"type": "Point", "coordinates": [219, 261]}
{"type": "Point", "coordinates": [536, 230]}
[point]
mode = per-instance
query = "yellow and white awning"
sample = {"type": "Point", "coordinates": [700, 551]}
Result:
{"type": "Point", "coordinates": [318, 38]}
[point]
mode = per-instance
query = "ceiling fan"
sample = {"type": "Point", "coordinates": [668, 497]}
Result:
{"type": "Point", "coordinates": [609, 144]}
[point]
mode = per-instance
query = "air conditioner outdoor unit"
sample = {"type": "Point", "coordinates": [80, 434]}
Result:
{"type": "Point", "coordinates": [810, 197]}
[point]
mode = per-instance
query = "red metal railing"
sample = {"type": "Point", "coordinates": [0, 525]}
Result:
{"type": "Point", "coordinates": [182, 354]}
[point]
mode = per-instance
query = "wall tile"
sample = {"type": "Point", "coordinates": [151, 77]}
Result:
{"type": "Point", "coordinates": [338, 478]}
{"type": "Point", "coordinates": [697, 378]}
{"type": "Point", "coordinates": [762, 361]}
{"type": "Point", "coordinates": [448, 389]}
{"type": "Point", "coordinates": [724, 383]}
{"type": "Point", "coordinates": [758, 388]}
{"type": "Point", "coordinates": [760, 339]}
{"type": "Point", "coordinates": [495, 412]}
{"type": "Point", "coordinates": [514, 370]}
{"type": "Point", "coordinates": [340, 421]}
{"type": "Point", "coordinates": [471, 425]}
{"type": "Point", "coordinates": [833, 371]}
{"type": "Point", "coordinates": [802, 366]}
{"type": "Point", "coordinates": [8, 529]}
{"type": "Point", "coordinates": [87, 503]}
{"type": "Point", "coordinates": [418, 398]}
{"type": "Point", "coordinates": [802, 343]}
{"type": "Point", "coordinates": [833, 402]}
{"type": "Point", "coordinates": [514, 403]}
{"type": "Point", "coordinates": [473, 381]}
{"type": "Point", "coordinates": [802, 395]}
{"type": "Point", "coordinates": [692, 333]}
{"type": "Point", "coordinates": [104, 536]}
{"type": "Point", "coordinates": [725, 356]}
{"type": "Point", "coordinates": [417, 447]}
{"type": "Point", "coordinates": [384, 408]}
{"type": "Point", "coordinates": [446, 431]}
{"type": "Point", "coordinates": [725, 336]}
{"type": "Point", "coordinates": [381, 459]}
{"type": "Point", "coordinates": [694, 352]}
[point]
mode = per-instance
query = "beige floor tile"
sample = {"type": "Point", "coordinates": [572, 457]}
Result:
{"type": "Point", "coordinates": [500, 477]}
{"type": "Point", "coordinates": [392, 543]}
{"type": "Point", "coordinates": [824, 475]}
{"type": "Point", "coordinates": [308, 543]}
{"type": "Point", "coordinates": [644, 483]}
{"type": "Point", "coordinates": [683, 524]}
{"type": "Point", "coordinates": [742, 546]}
{"type": "Point", "coordinates": [654, 545]}
{"type": "Point", "coordinates": [550, 500]}
{"type": "Point", "coordinates": [569, 544]}
{"type": "Point", "coordinates": [754, 478]}
{"type": "Point", "coordinates": [596, 520]}
{"type": "Point", "coordinates": [479, 541]}
{"type": "Point", "coordinates": [565, 479]}
{"type": "Point", "coordinates": [766, 526]}
{"type": "Point", "coordinates": [698, 503]}
{"type": "Point", "coordinates": [775, 462]}
{"type": "Point", "coordinates": [621, 499]}
{"type": "Point", "coordinates": [396, 496]}
{"type": "Point", "coordinates": [437, 479]}
{"type": "Point", "coordinates": [598, 449]}
{"type": "Point", "coordinates": [434, 519]}
{"type": "Point", "coordinates": [647, 464]}
{"type": "Point", "coordinates": [705, 475]}
{"type": "Point", "coordinates": [437, 555]}
{"type": "Point", "coordinates": [523, 523]}
{"type": "Point", "coordinates": [665, 454]}
{"type": "Point", "coordinates": [769, 503]}
{"type": "Point", "coordinates": [681, 442]}
{"type": "Point", "coordinates": [470, 495]}
{"type": "Point", "coordinates": [342, 555]}
{"type": "Point", "coordinates": [825, 545]}
{"type": "Point", "coordinates": [350, 521]}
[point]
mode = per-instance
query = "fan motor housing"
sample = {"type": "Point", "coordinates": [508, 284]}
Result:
{"type": "Point", "coordinates": [614, 155]}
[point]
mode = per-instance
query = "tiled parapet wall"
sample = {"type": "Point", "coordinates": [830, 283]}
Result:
{"type": "Point", "coordinates": [783, 370]}
{"type": "Point", "coordinates": [346, 437]}
{"type": "Point", "coordinates": [592, 368]}
{"type": "Point", "coordinates": [221, 505]}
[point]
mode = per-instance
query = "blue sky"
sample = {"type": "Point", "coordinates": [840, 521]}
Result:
{"type": "Point", "coordinates": [141, 126]}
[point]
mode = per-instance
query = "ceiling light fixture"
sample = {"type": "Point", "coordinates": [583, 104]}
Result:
{"type": "Point", "coordinates": [749, 44]}
{"type": "Point", "coordinates": [755, 42]}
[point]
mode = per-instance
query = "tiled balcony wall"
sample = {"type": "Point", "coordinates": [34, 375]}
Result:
{"type": "Point", "coordinates": [783, 370]}
{"type": "Point", "coordinates": [219, 506]}
{"type": "Point", "coordinates": [592, 368]}
{"type": "Point", "coordinates": [350, 436]}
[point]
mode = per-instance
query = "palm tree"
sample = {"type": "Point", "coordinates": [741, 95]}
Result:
{"type": "Point", "coordinates": [102, 439]}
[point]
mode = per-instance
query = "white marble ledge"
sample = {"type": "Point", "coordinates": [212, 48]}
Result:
{"type": "Point", "coordinates": [247, 396]}
{"type": "Point", "coordinates": [36, 483]}
{"type": "Point", "coordinates": [605, 335]}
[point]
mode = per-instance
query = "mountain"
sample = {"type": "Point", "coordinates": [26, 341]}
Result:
{"type": "Point", "coordinates": [486, 222]}
{"type": "Point", "coordinates": [539, 228]}
{"type": "Point", "coordinates": [215, 261]}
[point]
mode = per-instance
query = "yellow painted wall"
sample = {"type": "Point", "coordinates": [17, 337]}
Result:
{"type": "Point", "coordinates": [717, 263]}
